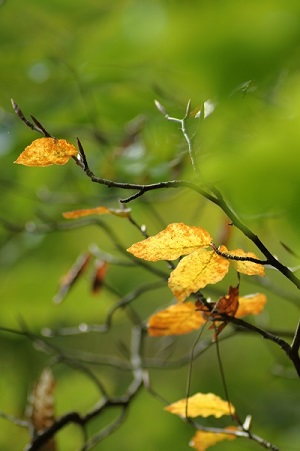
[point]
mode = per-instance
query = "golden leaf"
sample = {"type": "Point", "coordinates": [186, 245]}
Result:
{"type": "Point", "coordinates": [251, 305]}
{"type": "Point", "coordinates": [176, 240]}
{"type": "Point", "coordinates": [177, 319]}
{"type": "Point", "coordinates": [201, 404]}
{"type": "Point", "coordinates": [203, 440]}
{"type": "Point", "coordinates": [47, 151]}
{"type": "Point", "coordinates": [246, 267]}
{"type": "Point", "coordinates": [195, 271]}
{"type": "Point", "coordinates": [122, 213]}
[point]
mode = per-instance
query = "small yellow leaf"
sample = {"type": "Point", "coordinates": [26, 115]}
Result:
{"type": "Point", "coordinates": [176, 240]}
{"type": "Point", "coordinates": [47, 151]}
{"type": "Point", "coordinates": [246, 267]}
{"type": "Point", "coordinates": [251, 305]}
{"type": "Point", "coordinates": [201, 404]}
{"type": "Point", "coordinates": [203, 440]}
{"type": "Point", "coordinates": [195, 271]}
{"type": "Point", "coordinates": [122, 213]}
{"type": "Point", "coordinates": [177, 319]}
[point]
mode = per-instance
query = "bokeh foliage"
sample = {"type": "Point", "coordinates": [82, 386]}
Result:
{"type": "Point", "coordinates": [92, 69]}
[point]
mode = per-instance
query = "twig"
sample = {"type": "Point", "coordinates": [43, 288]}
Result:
{"type": "Point", "coordinates": [216, 198]}
{"type": "Point", "coordinates": [289, 350]}
{"type": "Point", "coordinates": [37, 127]}
{"type": "Point", "coordinates": [122, 401]}
{"type": "Point", "coordinates": [182, 123]}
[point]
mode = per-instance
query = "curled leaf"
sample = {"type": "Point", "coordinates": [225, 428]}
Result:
{"type": "Point", "coordinates": [122, 213]}
{"type": "Point", "coordinates": [228, 305]}
{"type": "Point", "coordinates": [47, 151]}
{"type": "Point", "coordinates": [201, 404]}
{"type": "Point", "coordinates": [176, 240]}
{"type": "Point", "coordinates": [195, 271]}
{"type": "Point", "coordinates": [72, 276]}
{"type": "Point", "coordinates": [177, 319]}
{"type": "Point", "coordinates": [100, 272]}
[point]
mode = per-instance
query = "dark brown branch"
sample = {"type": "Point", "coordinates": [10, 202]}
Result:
{"type": "Point", "coordinates": [37, 127]}
{"type": "Point", "coordinates": [106, 402]}
{"type": "Point", "coordinates": [216, 198]}
{"type": "Point", "coordinates": [294, 353]}
{"type": "Point", "coordinates": [294, 357]}
{"type": "Point", "coordinates": [238, 257]}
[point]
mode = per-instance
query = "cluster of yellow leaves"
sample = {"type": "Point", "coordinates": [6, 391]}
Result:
{"type": "Point", "coordinates": [183, 318]}
{"type": "Point", "coordinates": [47, 151]}
{"type": "Point", "coordinates": [200, 266]}
{"type": "Point", "coordinates": [204, 404]}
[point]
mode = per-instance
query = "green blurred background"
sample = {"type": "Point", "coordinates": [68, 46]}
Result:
{"type": "Point", "coordinates": [93, 69]}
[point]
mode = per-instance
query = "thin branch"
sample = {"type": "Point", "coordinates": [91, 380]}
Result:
{"type": "Point", "coordinates": [296, 343]}
{"type": "Point", "coordinates": [14, 420]}
{"type": "Point", "coordinates": [294, 357]}
{"type": "Point", "coordinates": [216, 198]}
{"type": "Point", "coordinates": [37, 127]}
{"type": "Point", "coordinates": [237, 432]}
{"type": "Point", "coordinates": [122, 401]}
{"type": "Point", "coordinates": [182, 123]}
{"type": "Point", "coordinates": [238, 257]}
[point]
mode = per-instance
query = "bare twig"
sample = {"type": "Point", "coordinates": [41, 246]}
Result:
{"type": "Point", "coordinates": [37, 127]}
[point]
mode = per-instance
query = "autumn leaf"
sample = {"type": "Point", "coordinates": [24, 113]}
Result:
{"type": "Point", "coordinates": [72, 276]}
{"type": "Point", "coordinates": [252, 304]}
{"type": "Point", "coordinates": [122, 213]}
{"type": "Point", "coordinates": [232, 305]}
{"type": "Point", "coordinates": [203, 440]}
{"type": "Point", "coordinates": [99, 274]}
{"type": "Point", "coordinates": [201, 404]}
{"type": "Point", "coordinates": [246, 267]}
{"type": "Point", "coordinates": [200, 266]}
{"type": "Point", "coordinates": [177, 319]}
{"type": "Point", "coordinates": [176, 240]}
{"type": "Point", "coordinates": [195, 271]}
{"type": "Point", "coordinates": [47, 151]}
{"type": "Point", "coordinates": [41, 406]}
{"type": "Point", "coordinates": [227, 305]}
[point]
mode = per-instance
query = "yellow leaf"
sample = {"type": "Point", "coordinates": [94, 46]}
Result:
{"type": "Point", "coordinates": [177, 319]}
{"type": "Point", "coordinates": [47, 151]}
{"type": "Point", "coordinates": [246, 267]}
{"type": "Point", "coordinates": [203, 440]}
{"type": "Point", "coordinates": [195, 271]}
{"type": "Point", "coordinates": [176, 240]}
{"type": "Point", "coordinates": [251, 305]}
{"type": "Point", "coordinates": [202, 405]}
{"type": "Point", "coordinates": [122, 213]}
